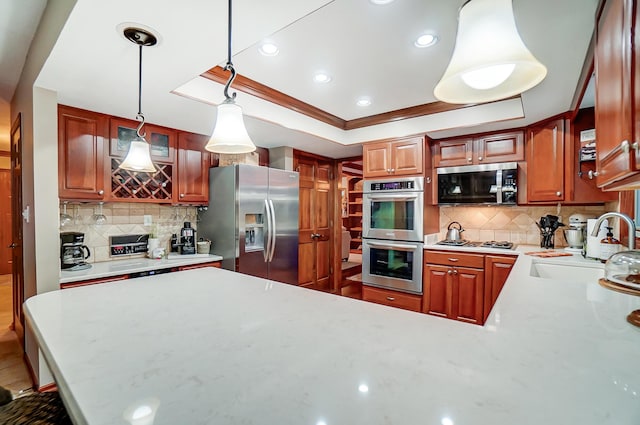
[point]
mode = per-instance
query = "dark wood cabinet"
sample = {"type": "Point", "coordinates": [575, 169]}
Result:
{"type": "Point", "coordinates": [392, 298]}
{"type": "Point", "coordinates": [192, 170]}
{"type": "Point", "coordinates": [617, 94]}
{"type": "Point", "coordinates": [81, 153]}
{"type": "Point", "coordinates": [479, 149]}
{"type": "Point", "coordinates": [545, 162]}
{"type": "Point", "coordinates": [216, 264]}
{"type": "Point", "coordinates": [161, 139]}
{"type": "Point", "coordinates": [396, 157]}
{"type": "Point", "coordinates": [352, 220]}
{"type": "Point", "coordinates": [454, 285]}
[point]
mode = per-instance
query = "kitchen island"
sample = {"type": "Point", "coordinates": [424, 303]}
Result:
{"type": "Point", "coordinates": [210, 346]}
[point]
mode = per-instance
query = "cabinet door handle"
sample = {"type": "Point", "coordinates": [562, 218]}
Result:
{"type": "Point", "coordinates": [13, 245]}
{"type": "Point", "coordinates": [393, 170]}
{"type": "Point", "coordinates": [101, 192]}
{"type": "Point", "coordinates": [479, 158]}
{"type": "Point", "coordinates": [428, 180]}
{"type": "Point", "coordinates": [455, 271]}
{"type": "Point", "coordinates": [469, 159]}
{"type": "Point", "coordinates": [454, 260]}
{"type": "Point", "coordinates": [391, 298]}
{"type": "Point", "coordinates": [182, 195]}
{"type": "Point", "coordinates": [558, 193]}
{"type": "Point", "coordinates": [625, 146]}
{"type": "Point", "coordinates": [592, 174]}
{"type": "Point", "coordinates": [449, 271]}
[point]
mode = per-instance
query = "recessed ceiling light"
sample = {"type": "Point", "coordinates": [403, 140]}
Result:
{"type": "Point", "coordinates": [268, 49]}
{"type": "Point", "coordinates": [426, 40]}
{"type": "Point", "coordinates": [381, 1]}
{"type": "Point", "coordinates": [321, 77]}
{"type": "Point", "coordinates": [363, 101]}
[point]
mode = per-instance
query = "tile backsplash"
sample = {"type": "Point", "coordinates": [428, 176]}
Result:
{"type": "Point", "coordinates": [515, 224]}
{"type": "Point", "coordinates": [125, 219]}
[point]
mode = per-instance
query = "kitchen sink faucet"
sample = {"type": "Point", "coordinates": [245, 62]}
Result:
{"type": "Point", "coordinates": [623, 217]}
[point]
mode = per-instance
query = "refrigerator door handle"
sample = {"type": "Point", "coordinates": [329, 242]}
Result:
{"type": "Point", "coordinates": [267, 247]}
{"type": "Point", "coordinates": [273, 231]}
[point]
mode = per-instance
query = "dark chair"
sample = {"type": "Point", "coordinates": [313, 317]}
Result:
{"type": "Point", "coordinates": [32, 409]}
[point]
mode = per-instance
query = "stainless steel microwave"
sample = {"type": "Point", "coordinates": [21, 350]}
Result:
{"type": "Point", "coordinates": [478, 184]}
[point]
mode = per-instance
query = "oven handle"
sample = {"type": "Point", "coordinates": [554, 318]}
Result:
{"type": "Point", "coordinates": [395, 197]}
{"type": "Point", "coordinates": [400, 247]}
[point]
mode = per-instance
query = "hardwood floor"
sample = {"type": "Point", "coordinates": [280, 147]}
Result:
{"type": "Point", "coordinates": [13, 372]}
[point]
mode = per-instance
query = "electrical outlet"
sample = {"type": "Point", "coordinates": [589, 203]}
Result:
{"type": "Point", "coordinates": [148, 221]}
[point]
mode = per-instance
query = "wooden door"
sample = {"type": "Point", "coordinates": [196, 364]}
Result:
{"type": "Point", "coordinates": [193, 169]}
{"type": "Point", "coordinates": [614, 92]}
{"type": "Point", "coordinates": [437, 300]}
{"type": "Point", "coordinates": [81, 154]}
{"type": "Point", "coordinates": [315, 238]}
{"type": "Point", "coordinates": [16, 228]}
{"type": "Point", "coordinates": [545, 162]}
{"type": "Point", "coordinates": [455, 152]}
{"type": "Point", "coordinates": [503, 147]}
{"type": "Point", "coordinates": [407, 157]}
{"type": "Point", "coordinates": [467, 294]}
{"type": "Point", "coordinates": [497, 269]}
{"type": "Point", "coordinates": [5, 222]}
{"type": "Point", "coordinates": [376, 159]}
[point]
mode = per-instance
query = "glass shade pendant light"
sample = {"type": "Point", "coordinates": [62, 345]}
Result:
{"type": "Point", "coordinates": [229, 133]}
{"type": "Point", "coordinates": [489, 61]}
{"type": "Point", "coordinates": [139, 154]}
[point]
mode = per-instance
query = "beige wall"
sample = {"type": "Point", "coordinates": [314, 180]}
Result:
{"type": "Point", "coordinates": [125, 219]}
{"type": "Point", "coordinates": [515, 224]}
{"type": "Point", "coordinates": [39, 129]}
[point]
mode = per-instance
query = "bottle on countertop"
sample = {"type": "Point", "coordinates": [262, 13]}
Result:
{"type": "Point", "coordinates": [609, 245]}
{"type": "Point", "coordinates": [187, 239]}
{"type": "Point", "coordinates": [175, 245]}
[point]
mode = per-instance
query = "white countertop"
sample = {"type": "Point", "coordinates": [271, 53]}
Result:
{"type": "Point", "coordinates": [132, 265]}
{"type": "Point", "coordinates": [210, 346]}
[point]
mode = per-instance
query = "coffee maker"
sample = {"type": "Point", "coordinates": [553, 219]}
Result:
{"type": "Point", "coordinates": [73, 252]}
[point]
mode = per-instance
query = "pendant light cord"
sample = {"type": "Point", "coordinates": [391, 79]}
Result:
{"type": "Point", "coordinates": [229, 65]}
{"type": "Point", "coordinates": [139, 116]}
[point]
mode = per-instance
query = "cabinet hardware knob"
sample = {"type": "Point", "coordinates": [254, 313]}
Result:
{"type": "Point", "coordinates": [454, 260]}
{"type": "Point", "coordinates": [428, 180]}
{"type": "Point", "coordinates": [469, 159]}
{"type": "Point", "coordinates": [391, 298]}
{"type": "Point", "coordinates": [625, 146]}
{"type": "Point", "coordinates": [455, 271]}
{"type": "Point", "coordinates": [393, 170]}
{"type": "Point", "coordinates": [449, 271]}
{"type": "Point", "coordinates": [13, 245]}
{"type": "Point", "coordinates": [479, 158]}
{"type": "Point", "coordinates": [101, 192]}
{"type": "Point", "coordinates": [182, 195]}
{"type": "Point", "coordinates": [635, 146]}
{"type": "Point", "coordinates": [558, 193]}
{"type": "Point", "coordinates": [592, 174]}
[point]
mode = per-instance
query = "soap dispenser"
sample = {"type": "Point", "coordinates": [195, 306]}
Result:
{"type": "Point", "coordinates": [609, 245]}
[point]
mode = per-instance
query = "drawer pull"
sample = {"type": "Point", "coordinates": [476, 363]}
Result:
{"type": "Point", "coordinates": [391, 298]}
{"type": "Point", "coordinates": [454, 260]}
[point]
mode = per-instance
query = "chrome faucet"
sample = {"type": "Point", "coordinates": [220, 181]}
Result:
{"type": "Point", "coordinates": [623, 217]}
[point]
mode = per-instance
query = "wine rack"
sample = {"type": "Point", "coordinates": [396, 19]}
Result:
{"type": "Point", "coordinates": [153, 187]}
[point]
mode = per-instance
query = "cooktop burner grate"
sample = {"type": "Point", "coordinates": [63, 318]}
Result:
{"type": "Point", "coordinates": [488, 244]}
{"type": "Point", "coordinates": [498, 244]}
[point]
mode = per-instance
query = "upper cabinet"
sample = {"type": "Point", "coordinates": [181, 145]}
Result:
{"type": "Point", "coordinates": [92, 146]}
{"type": "Point", "coordinates": [545, 162]}
{"type": "Point", "coordinates": [395, 157]}
{"type": "Point", "coordinates": [617, 95]}
{"type": "Point", "coordinates": [82, 138]}
{"type": "Point", "coordinates": [485, 149]}
{"type": "Point", "coordinates": [193, 169]}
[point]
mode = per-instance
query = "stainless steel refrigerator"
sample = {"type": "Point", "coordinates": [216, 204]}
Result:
{"type": "Point", "coordinates": [252, 220]}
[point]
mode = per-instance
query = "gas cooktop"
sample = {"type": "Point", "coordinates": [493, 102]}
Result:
{"type": "Point", "coordinates": [487, 244]}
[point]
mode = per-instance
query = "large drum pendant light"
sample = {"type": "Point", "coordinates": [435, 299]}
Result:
{"type": "Point", "coordinates": [139, 156]}
{"type": "Point", "coordinates": [229, 133]}
{"type": "Point", "coordinates": [489, 61]}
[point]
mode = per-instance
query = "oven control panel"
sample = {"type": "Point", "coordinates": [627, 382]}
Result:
{"type": "Point", "coordinates": [128, 245]}
{"type": "Point", "coordinates": [407, 184]}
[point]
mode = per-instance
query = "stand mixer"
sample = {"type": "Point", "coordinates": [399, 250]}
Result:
{"type": "Point", "coordinates": [576, 234]}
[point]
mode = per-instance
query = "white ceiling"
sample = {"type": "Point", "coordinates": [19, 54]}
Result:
{"type": "Point", "coordinates": [368, 49]}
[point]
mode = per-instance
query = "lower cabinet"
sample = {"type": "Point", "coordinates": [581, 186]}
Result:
{"type": "Point", "coordinates": [463, 286]}
{"type": "Point", "coordinates": [93, 281]}
{"type": "Point", "coordinates": [392, 298]}
{"type": "Point", "coordinates": [217, 264]}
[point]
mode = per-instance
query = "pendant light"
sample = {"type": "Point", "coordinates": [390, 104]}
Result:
{"type": "Point", "coordinates": [229, 133]}
{"type": "Point", "coordinates": [489, 61]}
{"type": "Point", "coordinates": [139, 156]}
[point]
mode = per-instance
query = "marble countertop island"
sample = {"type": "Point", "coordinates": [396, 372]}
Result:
{"type": "Point", "coordinates": [210, 346]}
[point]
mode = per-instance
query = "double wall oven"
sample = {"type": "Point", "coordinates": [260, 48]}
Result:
{"type": "Point", "coordinates": [392, 231]}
